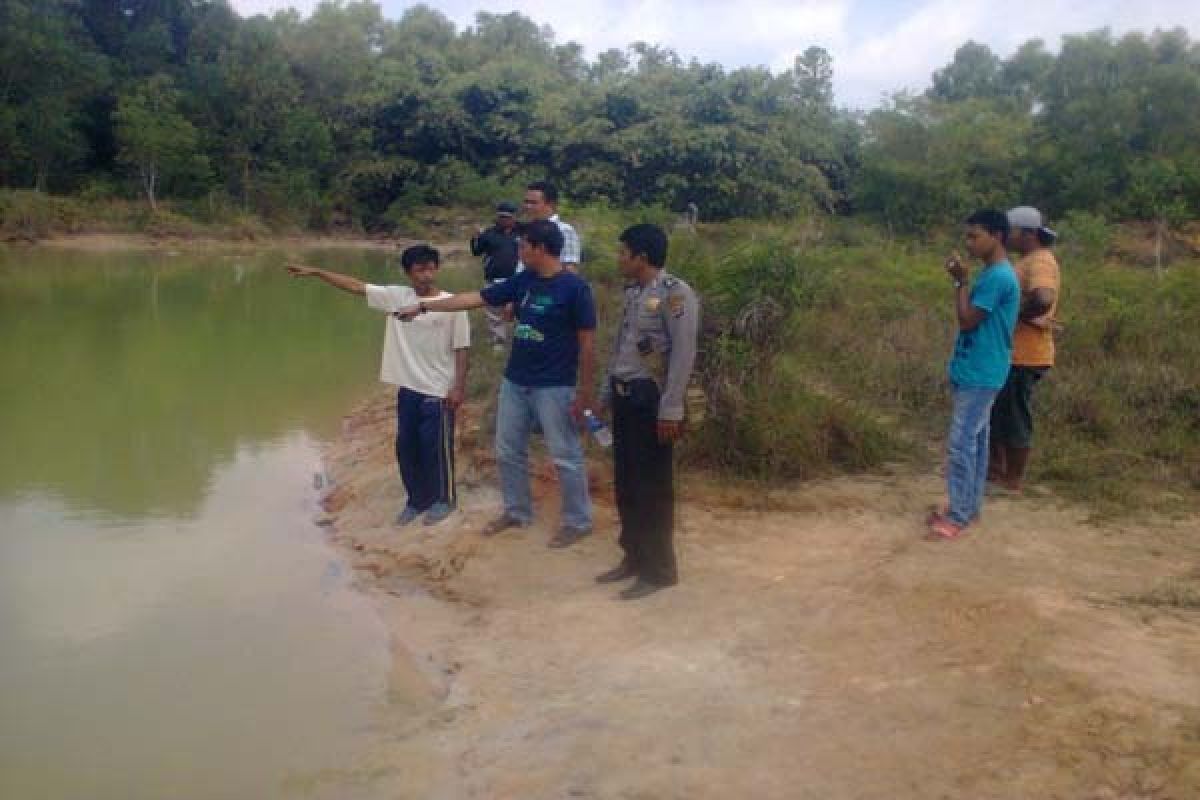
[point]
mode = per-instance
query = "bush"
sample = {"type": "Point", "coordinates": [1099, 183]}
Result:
{"type": "Point", "coordinates": [1084, 237]}
{"type": "Point", "coordinates": [775, 414]}
{"type": "Point", "coordinates": [771, 421]}
{"type": "Point", "coordinates": [27, 215]}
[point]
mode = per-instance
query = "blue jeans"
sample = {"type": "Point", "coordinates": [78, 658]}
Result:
{"type": "Point", "coordinates": [967, 452]}
{"type": "Point", "coordinates": [550, 407]}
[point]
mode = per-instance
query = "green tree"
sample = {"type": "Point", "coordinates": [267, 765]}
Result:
{"type": "Point", "coordinates": [155, 140]}
{"type": "Point", "coordinates": [974, 73]}
{"type": "Point", "coordinates": [49, 72]}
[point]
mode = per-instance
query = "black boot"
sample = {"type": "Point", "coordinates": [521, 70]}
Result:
{"type": "Point", "coordinates": [620, 572]}
{"type": "Point", "coordinates": [643, 588]}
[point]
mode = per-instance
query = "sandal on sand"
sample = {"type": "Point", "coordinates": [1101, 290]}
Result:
{"type": "Point", "coordinates": [943, 530]}
{"type": "Point", "coordinates": [936, 514]}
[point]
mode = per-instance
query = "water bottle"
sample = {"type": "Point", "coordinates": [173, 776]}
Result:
{"type": "Point", "coordinates": [598, 429]}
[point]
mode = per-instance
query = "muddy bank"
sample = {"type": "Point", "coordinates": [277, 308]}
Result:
{"type": "Point", "coordinates": [820, 652]}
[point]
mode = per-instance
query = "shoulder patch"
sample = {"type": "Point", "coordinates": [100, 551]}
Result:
{"type": "Point", "coordinates": [677, 305]}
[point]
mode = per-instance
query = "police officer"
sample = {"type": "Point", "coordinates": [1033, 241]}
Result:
{"type": "Point", "coordinates": [645, 387]}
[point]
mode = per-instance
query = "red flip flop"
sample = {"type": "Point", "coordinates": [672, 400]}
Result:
{"type": "Point", "coordinates": [943, 530]}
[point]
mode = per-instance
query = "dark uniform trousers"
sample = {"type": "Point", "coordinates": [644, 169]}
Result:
{"type": "Point", "coordinates": [644, 477]}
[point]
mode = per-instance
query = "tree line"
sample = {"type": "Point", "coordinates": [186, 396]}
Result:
{"type": "Point", "coordinates": [345, 117]}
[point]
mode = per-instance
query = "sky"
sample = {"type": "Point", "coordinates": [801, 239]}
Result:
{"type": "Point", "coordinates": [878, 46]}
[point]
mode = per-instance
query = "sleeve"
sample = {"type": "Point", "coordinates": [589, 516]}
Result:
{"type": "Point", "coordinates": [477, 244]}
{"type": "Point", "coordinates": [499, 294]}
{"type": "Point", "coordinates": [388, 298]}
{"type": "Point", "coordinates": [462, 330]}
{"type": "Point", "coordinates": [606, 383]}
{"type": "Point", "coordinates": [988, 293]}
{"type": "Point", "coordinates": [683, 324]}
{"type": "Point", "coordinates": [584, 308]}
{"type": "Point", "coordinates": [571, 246]}
{"type": "Point", "coordinates": [1043, 274]}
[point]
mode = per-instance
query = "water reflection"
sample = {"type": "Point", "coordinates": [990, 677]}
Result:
{"type": "Point", "coordinates": [129, 378]}
{"type": "Point", "coordinates": [171, 623]}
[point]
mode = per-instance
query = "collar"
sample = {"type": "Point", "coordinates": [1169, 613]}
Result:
{"type": "Point", "coordinates": [659, 275]}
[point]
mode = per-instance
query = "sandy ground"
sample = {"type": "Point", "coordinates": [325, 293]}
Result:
{"type": "Point", "coordinates": [821, 651]}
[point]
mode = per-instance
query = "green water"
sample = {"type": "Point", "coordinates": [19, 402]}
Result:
{"type": "Point", "coordinates": [171, 622]}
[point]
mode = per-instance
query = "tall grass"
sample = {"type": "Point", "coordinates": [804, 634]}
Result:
{"type": "Point", "coordinates": [827, 345]}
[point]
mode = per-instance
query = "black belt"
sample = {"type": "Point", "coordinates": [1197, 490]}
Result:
{"type": "Point", "coordinates": [625, 388]}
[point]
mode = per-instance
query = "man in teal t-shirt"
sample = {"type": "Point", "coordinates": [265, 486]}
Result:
{"type": "Point", "coordinates": [987, 314]}
{"type": "Point", "coordinates": [981, 354]}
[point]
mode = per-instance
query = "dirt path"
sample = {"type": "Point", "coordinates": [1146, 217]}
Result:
{"type": "Point", "coordinates": [821, 652]}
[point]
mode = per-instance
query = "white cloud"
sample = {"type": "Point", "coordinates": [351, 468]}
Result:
{"type": "Point", "coordinates": [867, 62]}
{"type": "Point", "coordinates": [249, 8]}
{"type": "Point", "coordinates": [925, 40]}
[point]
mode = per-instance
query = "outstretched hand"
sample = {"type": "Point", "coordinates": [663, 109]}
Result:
{"type": "Point", "coordinates": [299, 270]}
{"type": "Point", "coordinates": [407, 314]}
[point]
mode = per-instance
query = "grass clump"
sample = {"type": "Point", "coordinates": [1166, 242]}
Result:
{"type": "Point", "coordinates": [773, 415]}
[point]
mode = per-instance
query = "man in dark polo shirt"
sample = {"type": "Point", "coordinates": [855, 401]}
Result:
{"type": "Point", "coordinates": [552, 354]}
{"type": "Point", "coordinates": [498, 247]}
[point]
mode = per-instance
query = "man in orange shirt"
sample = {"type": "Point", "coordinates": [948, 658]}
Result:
{"type": "Point", "coordinates": [1033, 346]}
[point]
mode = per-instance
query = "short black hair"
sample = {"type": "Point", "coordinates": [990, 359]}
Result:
{"type": "Point", "coordinates": [546, 235]}
{"type": "Point", "coordinates": [549, 191]}
{"type": "Point", "coordinates": [992, 221]}
{"type": "Point", "coordinates": [647, 240]}
{"type": "Point", "coordinates": [419, 254]}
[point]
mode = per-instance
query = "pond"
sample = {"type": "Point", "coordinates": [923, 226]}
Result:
{"type": "Point", "coordinates": [172, 623]}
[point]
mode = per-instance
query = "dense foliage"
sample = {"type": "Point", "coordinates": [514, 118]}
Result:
{"type": "Point", "coordinates": [347, 118]}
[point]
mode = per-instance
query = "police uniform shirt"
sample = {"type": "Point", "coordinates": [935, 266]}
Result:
{"type": "Point", "coordinates": [657, 340]}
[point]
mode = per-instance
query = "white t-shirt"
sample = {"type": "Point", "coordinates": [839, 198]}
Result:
{"type": "Point", "coordinates": [419, 355]}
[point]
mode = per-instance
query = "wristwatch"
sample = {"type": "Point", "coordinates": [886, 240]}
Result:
{"type": "Point", "coordinates": [421, 307]}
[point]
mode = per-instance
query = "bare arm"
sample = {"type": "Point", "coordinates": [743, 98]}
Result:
{"type": "Point", "coordinates": [1037, 303]}
{"type": "Point", "coordinates": [458, 392]}
{"type": "Point", "coordinates": [459, 302]}
{"type": "Point", "coordinates": [585, 395]}
{"type": "Point", "coordinates": [969, 316]}
{"type": "Point", "coordinates": [346, 283]}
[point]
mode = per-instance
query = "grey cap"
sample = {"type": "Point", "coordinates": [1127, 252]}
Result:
{"type": "Point", "coordinates": [1029, 218]}
{"type": "Point", "coordinates": [506, 208]}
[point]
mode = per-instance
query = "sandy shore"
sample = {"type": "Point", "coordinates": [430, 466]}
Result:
{"type": "Point", "coordinates": [820, 651]}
